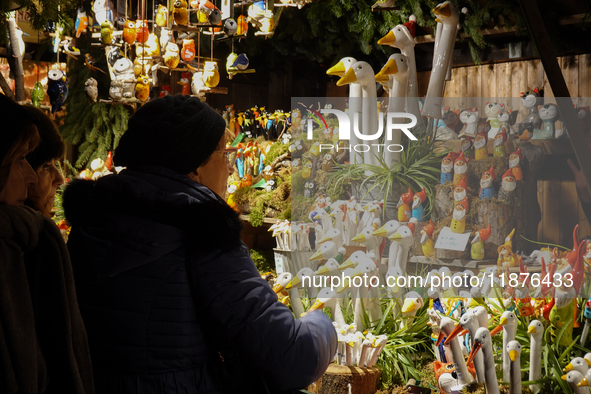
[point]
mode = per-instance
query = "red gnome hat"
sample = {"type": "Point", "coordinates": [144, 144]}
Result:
{"type": "Point", "coordinates": [423, 195]}
{"type": "Point", "coordinates": [518, 153]}
{"type": "Point", "coordinates": [411, 227]}
{"type": "Point", "coordinates": [411, 25]}
{"type": "Point", "coordinates": [464, 203]}
{"type": "Point", "coordinates": [460, 157]}
{"type": "Point", "coordinates": [507, 173]}
{"type": "Point", "coordinates": [429, 228]}
{"type": "Point", "coordinates": [484, 233]}
{"type": "Point", "coordinates": [491, 172]}
{"type": "Point", "coordinates": [504, 134]}
{"type": "Point", "coordinates": [463, 184]}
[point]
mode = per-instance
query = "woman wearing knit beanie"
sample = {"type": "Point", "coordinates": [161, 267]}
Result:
{"type": "Point", "coordinates": [170, 297]}
{"type": "Point", "coordinates": [43, 344]}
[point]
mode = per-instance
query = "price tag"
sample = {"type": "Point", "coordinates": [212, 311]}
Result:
{"type": "Point", "coordinates": [452, 241]}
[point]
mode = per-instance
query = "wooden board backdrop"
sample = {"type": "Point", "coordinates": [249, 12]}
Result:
{"type": "Point", "coordinates": [475, 85]}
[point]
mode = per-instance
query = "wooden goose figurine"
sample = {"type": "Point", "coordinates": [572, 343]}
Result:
{"type": "Point", "coordinates": [355, 94]}
{"type": "Point", "coordinates": [469, 322]}
{"type": "Point", "coordinates": [447, 13]}
{"type": "Point", "coordinates": [367, 128]}
{"type": "Point", "coordinates": [328, 298]}
{"type": "Point", "coordinates": [483, 342]}
{"type": "Point", "coordinates": [294, 296]}
{"type": "Point", "coordinates": [536, 332]}
{"type": "Point", "coordinates": [447, 326]}
{"type": "Point", "coordinates": [574, 378]}
{"type": "Point", "coordinates": [509, 323]}
{"type": "Point", "coordinates": [405, 237]}
{"type": "Point", "coordinates": [514, 351]}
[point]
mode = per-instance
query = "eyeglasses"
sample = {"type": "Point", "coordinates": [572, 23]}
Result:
{"type": "Point", "coordinates": [228, 153]}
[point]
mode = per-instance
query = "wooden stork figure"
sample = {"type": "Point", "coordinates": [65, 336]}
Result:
{"type": "Point", "coordinates": [469, 322]}
{"type": "Point", "coordinates": [483, 341]}
{"type": "Point", "coordinates": [447, 13]}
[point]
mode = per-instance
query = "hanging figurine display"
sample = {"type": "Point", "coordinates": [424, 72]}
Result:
{"type": "Point", "coordinates": [81, 22]}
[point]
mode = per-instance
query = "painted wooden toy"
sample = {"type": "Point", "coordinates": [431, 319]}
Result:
{"type": "Point", "coordinates": [548, 113]}
{"type": "Point", "coordinates": [460, 191]}
{"type": "Point", "coordinates": [481, 151]}
{"type": "Point", "coordinates": [427, 243]}
{"type": "Point", "coordinates": [491, 110]}
{"type": "Point", "coordinates": [404, 211]}
{"type": "Point", "coordinates": [506, 256]}
{"type": "Point", "coordinates": [458, 221]}
{"type": "Point", "coordinates": [469, 117]}
{"type": "Point", "coordinates": [418, 199]}
{"type": "Point", "coordinates": [460, 169]}
{"type": "Point", "coordinates": [514, 164]}
{"type": "Point", "coordinates": [531, 100]}
{"type": "Point", "coordinates": [447, 169]}
{"type": "Point", "coordinates": [486, 184]}
{"type": "Point", "coordinates": [499, 144]}
{"type": "Point", "coordinates": [467, 147]}
{"type": "Point", "coordinates": [477, 248]}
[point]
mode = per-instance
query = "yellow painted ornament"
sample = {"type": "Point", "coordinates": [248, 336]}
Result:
{"type": "Point", "coordinates": [307, 171]}
{"type": "Point", "coordinates": [171, 57]}
{"type": "Point", "coordinates": [129, 32]}
{"type": "Point", "coordinates": [141, 66]}
{"type": "Point", "coordinates": [142, 89]}
{"type": "Point", "coordinates": [180, 13]}
{"type": "Point", "coordinates": [107, 32]}
{"type": "Point", "coordinates": [152, 46]}
{"type": "Point", "coordinates": [162, 16]}
{"type": "Point", "coordinates": [211, 75]}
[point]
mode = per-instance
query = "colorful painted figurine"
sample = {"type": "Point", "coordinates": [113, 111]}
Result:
{"type": "Point", "coordinates": [460, 169]}
{"type": "Point", "coordinates": [152, 47]}
{"type": "Point", "coordinates": [418, 199]}
{"type": "Point", "coordinates": [491, 110]}
{"type": "Point", "coordinates": [81, 22]}
{"type": "Point", "coordinates": [447, 378]}
{"type": "Point", "coordinates": [486, 184]}
{"type": "Point", "coordinates": [531, 100]}
{"type": "Point", "coordinates": [142, 89]}
{"type": "Point", "coordinates": [469, 117]}
{"type": "Point", "coordinates": [211, 75]}
{"type": "Point", "coordinates": [188, 51]}
{"type": "Point", "coordinates": [106, 32]}
{"type": "Point", "coordinates": [477, 248]}
{"type": "Point", "coordinates": [514, 164]}
{"type": "Point", "coordinates": [242, 25]}
{"type": "Point", "coordinates": [447, 169]}
{"type": "Point", "coordinates": [481, 150]}
{"type": "Point", "coordinates": [171, 57]}
{"type": "Point", "coordinates": [162, 16]}
{"type": "Point", "coordinates": [185, 82]}
{"type": "Point", "coordinates": [37, 94]}
{"type": "Point", "coordinates": [165, 37]}
{"type": "Point", "coordinates": [506, 256]}
{"type": "Point", "coordinates": [467, 147]}
{"type": "Point", "coordinates": [499, 144]}
{"type": "Point", "coordinates": [404, 211]}
{"type": "Point", "coordinates": [427, 243]}
{"type": "Point", "coordinates": [141, 31]}
{"type": "Point", "coordinates": [458, 221]}
{"type": "Point", "coordinates": [460, 191]}
{"type": "Point", "coordinates": [230, 27]}
{"type": "Point", "coordinates": [91, 89]}
{"type": "Point", "coordinates": [180, 13]}
{"type": "Point", "coordinates": [57, 89]}
{"type": "Point", "coordinates": [103, 10]}
{"type": "Point", "coordinates": [548, 113]}
{"type": "Point", "coordinates": [121, 85]}
{"type": "Point", "coordinates": [129, 32]}
{"type": "Point", "coordinates": [508, 185]}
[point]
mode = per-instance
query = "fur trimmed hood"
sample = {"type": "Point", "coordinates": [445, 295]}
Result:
{"type": "Point", "coordinates": [155, 198]}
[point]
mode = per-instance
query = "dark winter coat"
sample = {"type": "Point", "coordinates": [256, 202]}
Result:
{"type": "Point", "coordinates": [133, 237]}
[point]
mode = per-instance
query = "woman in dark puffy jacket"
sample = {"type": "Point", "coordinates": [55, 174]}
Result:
{"type": "Point", "coordinates": [171, 300]}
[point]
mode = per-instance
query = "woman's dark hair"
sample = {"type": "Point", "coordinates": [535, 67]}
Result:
{"type": "Point", "coordinates": [51, 146]}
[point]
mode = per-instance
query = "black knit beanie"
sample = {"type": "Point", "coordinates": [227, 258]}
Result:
{"type": "Point", "coordinates": [175, 132]}
{"type": "Point", "coordinates": [14, 119]}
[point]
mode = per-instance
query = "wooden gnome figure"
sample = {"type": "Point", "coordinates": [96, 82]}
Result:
{"type": "Point", "coordinates": [458, 221]}
{"type": "Point", "coordinates": [477, 248]}
{"type": "Point", "coordinates": [506, 256]}
{"type": "Point", "coordinates": [418, 211]}
{"type": "Point", "coordinates": [467, 148]}
{"type": "Point", "coordinates": [427, 243]}
{"type": "Point", "coordinates": [460, 169]}
{"type": "Point", "coordinates": [404, 211]}
{"type": "Point", "coordinates": [460, 191]}
{"type": "Point", "coordinates": [486, 184]}
{"type": "Point", "coordinates": [499, 144]}
{"type": "Point", "coordinates": [508, 185]}
{"type": "Point", "coordinates": [514, 164]}
{"type": "Point", "coordinates": [480, 149]}
{"type": "Point", "coordinates": [447, 169]}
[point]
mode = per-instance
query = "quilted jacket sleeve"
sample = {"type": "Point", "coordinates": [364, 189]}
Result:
{"type": "Point", "coordinates": [239, 305]}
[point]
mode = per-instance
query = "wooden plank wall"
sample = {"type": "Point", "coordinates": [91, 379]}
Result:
{"type": "Point", "coordinates": [503, 82]}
